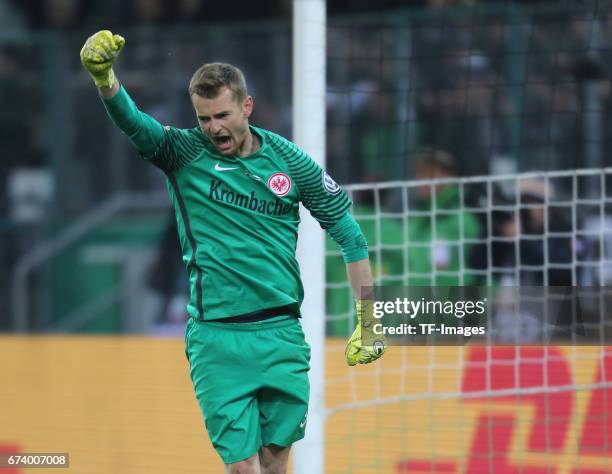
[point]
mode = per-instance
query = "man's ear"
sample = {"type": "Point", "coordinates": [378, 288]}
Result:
{"type": "Point", "coordinates": [247, 106]}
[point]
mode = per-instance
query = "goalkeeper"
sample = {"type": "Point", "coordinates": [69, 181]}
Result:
{"type": "Point", "coordinates": [236, 191]}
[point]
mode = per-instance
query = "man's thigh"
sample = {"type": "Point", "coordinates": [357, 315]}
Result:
{"type": "Point", "coordinates": [225, 379]}
{"type": "Point", "coordinates": [283, 396]}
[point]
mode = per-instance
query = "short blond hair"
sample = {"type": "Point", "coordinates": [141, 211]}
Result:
{"type": "Point", "coordinates": [208, 80]}
{"type": "Point", "coordinates": [436, 158]}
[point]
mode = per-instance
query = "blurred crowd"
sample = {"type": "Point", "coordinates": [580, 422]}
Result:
{"type": "Point", "coordinates": [79, 15]}
{"type": "Point", "coordinates": [510, 92]}
{"type": "Point", "coordinates": [515, 88]}
{"type": "Point", "coordinates": [73, 15]}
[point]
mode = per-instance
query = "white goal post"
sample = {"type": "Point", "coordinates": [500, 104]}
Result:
{"type": "Point", "coordinates": [309, 134]}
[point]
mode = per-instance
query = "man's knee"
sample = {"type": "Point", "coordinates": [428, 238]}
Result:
{"type": "Point", "coordinates": [248, 466]}
{"type": "Point", "coordinates": [274, 459]}
{"type": "Point", "coordinates": [274, 467]}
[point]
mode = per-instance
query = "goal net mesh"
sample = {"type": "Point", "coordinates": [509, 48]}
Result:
{"type": "Point", "coordinates": [508, 403]}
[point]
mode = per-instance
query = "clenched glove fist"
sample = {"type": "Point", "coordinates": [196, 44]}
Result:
{"type": "Point", "coordinates": [364, 346]}
{"type": "Point", "coordinates": [99, 54]}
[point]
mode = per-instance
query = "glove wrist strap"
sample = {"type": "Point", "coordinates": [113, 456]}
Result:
{"type": "Point", "coordinates": [107, 80]}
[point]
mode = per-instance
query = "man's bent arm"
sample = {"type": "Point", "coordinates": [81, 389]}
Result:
{"type": "Point", "coordinates": [362, 347]}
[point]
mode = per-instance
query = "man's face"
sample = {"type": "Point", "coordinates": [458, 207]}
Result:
{"type": "Point", "coordinates": [224, 120]}
{"type": "Point", "coordinates": [428, 171]}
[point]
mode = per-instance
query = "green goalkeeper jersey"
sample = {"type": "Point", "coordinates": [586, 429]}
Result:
{"type": "Point", "coordinates": [237, 217]}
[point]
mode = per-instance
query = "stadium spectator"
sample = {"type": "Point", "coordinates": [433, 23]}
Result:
{"type": "Point", "coordinates": [373, 137]}
{"type": "Point", "coordinates": [348, 105]}
{"type": "Point", "coordinates": [542, 235]}
{"type": "Point", "coordinates": [380, 145]}
{"type": "Point", "coordinates": [437, 231]}
{"type": "Point", "coordinates": [541, 256]}
{"type": "Point", "coordinates": [540, 232]}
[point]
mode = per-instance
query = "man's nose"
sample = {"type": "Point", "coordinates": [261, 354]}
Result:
{"type": "Point", "coordinates": [214, 127]}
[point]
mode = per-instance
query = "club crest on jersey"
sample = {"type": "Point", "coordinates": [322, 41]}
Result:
{"type": "Point", "coordinates": [280, 184]}
{"type": "Point", "coordinates": [330, 185]}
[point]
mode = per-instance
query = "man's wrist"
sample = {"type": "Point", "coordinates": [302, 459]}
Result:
{"type": "Point", "coordinates": [109, 92]}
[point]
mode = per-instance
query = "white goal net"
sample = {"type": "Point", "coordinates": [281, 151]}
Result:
{"type": "Point", "coordinates": [491, 406]}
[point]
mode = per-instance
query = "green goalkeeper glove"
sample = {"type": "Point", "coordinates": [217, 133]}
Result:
{"type": "Point", "coordinates": [98, 55]}
{"type": "Point", "coordinates": [355, 352]}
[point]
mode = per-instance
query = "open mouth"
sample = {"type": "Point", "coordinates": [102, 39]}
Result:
{"type": "Point", "coordinates": [222, 141]}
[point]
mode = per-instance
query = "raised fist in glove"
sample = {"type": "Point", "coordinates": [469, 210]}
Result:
{"type": "Point", "coordinates": [98, 55]}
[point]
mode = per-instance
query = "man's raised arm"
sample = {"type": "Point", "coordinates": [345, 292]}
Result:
{"type": "Point", "coordinates": [98, 55]}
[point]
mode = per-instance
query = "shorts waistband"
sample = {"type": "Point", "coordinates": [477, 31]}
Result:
{"type": "Point", "coordinates": [252, 326]}
{"type": "Point", "coordinates": [260, 315]}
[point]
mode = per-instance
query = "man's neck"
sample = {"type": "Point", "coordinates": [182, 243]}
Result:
{"type": "Point", "coordinates": [250, 145]}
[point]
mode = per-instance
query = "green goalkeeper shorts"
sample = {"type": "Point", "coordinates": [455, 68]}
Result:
{"type": "Point", "coordinates": [251, 381]}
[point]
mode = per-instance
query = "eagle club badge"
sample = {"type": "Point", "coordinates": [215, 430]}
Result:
{"type": "Point", "coordinates": [330, 185]}
{"type": "Point", "coordinates": [280, 184]}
